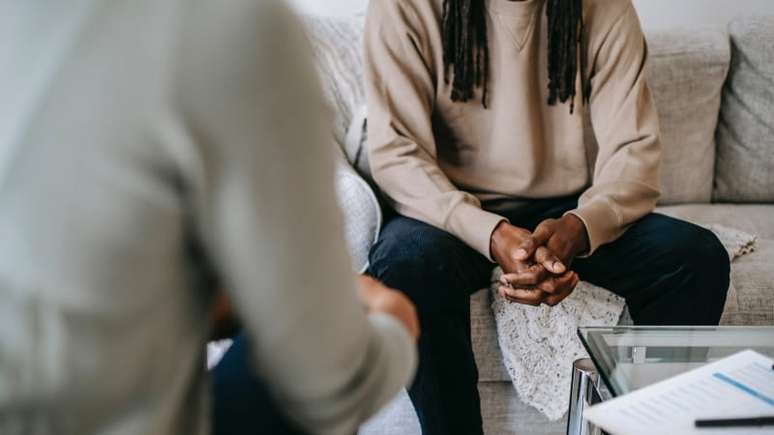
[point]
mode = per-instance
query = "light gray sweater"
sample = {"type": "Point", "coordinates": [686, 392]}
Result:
{"type": "Point", "coordinates": [153, 150]}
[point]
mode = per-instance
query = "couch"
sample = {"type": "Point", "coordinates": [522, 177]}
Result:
{"type": "Point", "coordinates": [715, 94]}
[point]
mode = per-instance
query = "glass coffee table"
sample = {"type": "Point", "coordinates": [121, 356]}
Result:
{"type": "Point", "coordinates": [626, 358]}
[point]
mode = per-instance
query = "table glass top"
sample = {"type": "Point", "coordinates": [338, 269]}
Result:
{"type": "Point", "coordinates": [632, 357]}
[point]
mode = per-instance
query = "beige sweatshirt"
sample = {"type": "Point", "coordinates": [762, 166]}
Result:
{"type": "Point", "coordinates": [436, 160]}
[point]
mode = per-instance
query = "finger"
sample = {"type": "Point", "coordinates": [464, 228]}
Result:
{"type": "Point", "coordinates": [538, 238]}
{"type": "Point", "coordinates": [557, 284]}
{"type": "Point", "coordinates": [522, 302]}
{"type": "Point", "coordinates": [555, 299]}
{"type": "Point", "coordinates": [532, 297]}
{"type": "Point", "coordinates": [564, 288]}
{"type": "Point", "coordinates": [527, 278]}
{"type": "Point", "coordinates": [561, 248]}
{"type": "Point", "coordinates": [551, 262]}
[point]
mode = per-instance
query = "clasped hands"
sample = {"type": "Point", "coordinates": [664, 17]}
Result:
{"type": "Point", "coordinates": [536, 265]}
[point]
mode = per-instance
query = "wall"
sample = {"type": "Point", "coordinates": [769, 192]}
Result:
{"type": "Point", "coordinates": [660, 14]}
{"type": "Point", "coordinates": [654, 13]}
{"type": "Point", "coordinates": [330, 7]}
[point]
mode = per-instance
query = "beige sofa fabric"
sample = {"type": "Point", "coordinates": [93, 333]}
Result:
{"type": "Point", "coordinates": [336, 44]}
{"type": "Point", "coordinates": [686, 72]}
{"type": "Point", "coordinates": [745, 164]}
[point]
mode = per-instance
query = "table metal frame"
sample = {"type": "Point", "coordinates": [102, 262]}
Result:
{"type": "Point", "coordinates": [586, 389]}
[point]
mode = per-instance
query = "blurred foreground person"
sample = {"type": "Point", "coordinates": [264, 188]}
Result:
{"type": "Point", "coordinates": [155, 151]}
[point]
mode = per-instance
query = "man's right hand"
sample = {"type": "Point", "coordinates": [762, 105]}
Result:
{"type": "Point", "coordinates": [542, 278]}
{"type": "Point", "coordinates": [379, 298]}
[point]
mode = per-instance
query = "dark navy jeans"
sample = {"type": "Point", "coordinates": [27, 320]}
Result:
{"type": "Point", "coordinates": [241, 403]}
{"type": "Point", "coordinates": [670, 272]}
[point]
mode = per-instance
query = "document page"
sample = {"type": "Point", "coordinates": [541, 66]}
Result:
{"type": "Point", "coordinates": [739, 386]}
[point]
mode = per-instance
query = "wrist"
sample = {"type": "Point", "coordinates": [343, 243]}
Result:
{"type": "Point", "coordinates": [580, 234]}
{"type": "Point", "coordinates": [496, 240]}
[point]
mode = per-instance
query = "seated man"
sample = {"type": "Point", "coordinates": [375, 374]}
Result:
{"type": "Point", "coordinates": [476, 138]}
{"type": "Point", "coordinates": [158, 151]}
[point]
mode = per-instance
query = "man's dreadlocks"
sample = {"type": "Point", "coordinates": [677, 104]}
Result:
{"type": "Point", "coordinates": [466, 49]}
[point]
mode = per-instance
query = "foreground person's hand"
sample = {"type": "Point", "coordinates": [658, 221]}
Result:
{"type": "Point", "coordinates": [223, 320]}
{"type": "Point", "coordinates": [379, 298]}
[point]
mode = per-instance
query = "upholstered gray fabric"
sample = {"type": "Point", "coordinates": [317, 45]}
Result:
{"type": "Point", "coordinates": [502, 410]}
{"type": "Point", "coordinates": [505, 414]}
{"type": "Point", "coordinates": [752, 275]}
{"type": "Point", "coordinates": [757, 219]}
{"type": "Point", "coordinates": [362, 214]}
{"type": "Point", "coordinates": [355, 144]}
{"type": "Point", "coordinates": [686, 71]}
{"type": "Point", "coordinates": [489, 360]}
{"type": "Point", "coordinates": [336, 44]}
{"type": "Point", "coordinates": [397, 418]}
{"type": "Point", "coordinates": [745, 135]}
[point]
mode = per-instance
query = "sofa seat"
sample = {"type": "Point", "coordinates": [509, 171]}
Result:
{"type": "Point", "coordinates": [504, 413]}
{"type": "Point", "coordinates": [752, 275]}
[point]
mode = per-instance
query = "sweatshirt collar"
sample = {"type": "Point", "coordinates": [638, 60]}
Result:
{"type": "Point", "coordinates": [513, 8]}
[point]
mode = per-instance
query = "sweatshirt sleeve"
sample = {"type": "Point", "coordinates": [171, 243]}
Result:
{"type": "Point", "coordinates": [400, 91]}
{"type": "Point", "coordinates": [267, 215]}
{"type": "Point", "coordinates": [625, 186]}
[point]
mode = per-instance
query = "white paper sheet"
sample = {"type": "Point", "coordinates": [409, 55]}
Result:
{"type": "Point", "coordinates": [739, 386]}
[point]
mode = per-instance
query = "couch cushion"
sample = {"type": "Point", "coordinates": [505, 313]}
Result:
{"type": "Point", "coordinates": [685, 72]}
{"type": "Point", "coordinates": [745, 164]}
{"type": "Point", "coordinates": [753, 278]}
{"type": "Point", "coordinates": [756, 219]}
{"type": "Point", "coordinates": [752, 275]}
{"type": "Point", "coordinates": [502, 411]}
{"type": "Point", "coordinates": [336, 44]}
{"type": "Point", "coordinates": [489, 359]}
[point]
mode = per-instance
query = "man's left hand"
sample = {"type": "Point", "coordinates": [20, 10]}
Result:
{"type": "Point", "coordinates": [553, 240]}
{"type": "Point", "coordinates": [565, 238]}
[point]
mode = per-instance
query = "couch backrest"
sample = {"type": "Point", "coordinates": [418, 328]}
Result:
{"type": "Point", "coordinates": [336, 44]}
{"type": "Point", "coordinates": [686, 73]}
{"type": "Point", "coordinates": [745, 134]}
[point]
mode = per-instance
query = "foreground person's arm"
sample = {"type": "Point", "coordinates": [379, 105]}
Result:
{"type": "Point", "coordinates": [266, 211]}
